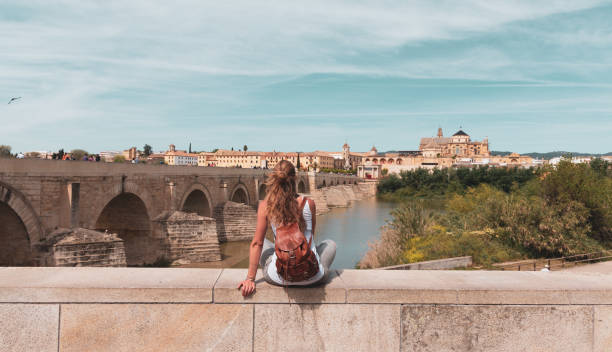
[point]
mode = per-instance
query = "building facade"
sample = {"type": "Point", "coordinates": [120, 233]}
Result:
{"type": "Point", "coordinates": [441, 152]}
{"type": "Point", "coordinates": [458, 144]}
{"type": "Point", "coordinates": [253, 159]}
{"type": "Point", "coordinates": [180, 157]}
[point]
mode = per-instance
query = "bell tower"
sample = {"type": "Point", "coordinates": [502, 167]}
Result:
{"type": "Point", "coordinates": [440, 132]}
{"type": "Point", "coordinates": [346, 154]}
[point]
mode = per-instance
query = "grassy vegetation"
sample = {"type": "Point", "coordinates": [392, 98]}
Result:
{"type": "Point", "coordinates": [495, 215]}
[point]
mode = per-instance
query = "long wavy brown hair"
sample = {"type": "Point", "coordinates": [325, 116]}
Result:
{"type": "Point", "coordinates": [281, 206]}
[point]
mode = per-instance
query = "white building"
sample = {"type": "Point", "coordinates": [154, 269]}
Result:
{"type": "Point", "coordinates": [179, 157]}
{"type": "Point", "coordinates": [109, 156]}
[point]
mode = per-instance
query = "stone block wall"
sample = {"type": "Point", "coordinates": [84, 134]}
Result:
{"type": "Point", "coordinates": [320, 200]}
{"type": "Point", "coordinates": [235, 221]}
{"type": "Point", "coordinates": [171, 309]}
{"type": "Point", "coordinates": [335, 196]}
{"type": "Point", "coordinates": [82, 247]}
{"type": "Point", "coordinates": [188, 237]}
{"type": "Point", "coordinates": [341, 195]}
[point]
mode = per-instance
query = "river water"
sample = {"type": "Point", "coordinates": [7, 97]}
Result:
{"type": "Point", "coordinates": [351, 228]}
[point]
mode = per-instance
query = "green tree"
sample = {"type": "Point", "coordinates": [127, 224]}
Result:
{"type": "Point", "coordinates": [245, 148]}
{"type": "Point", "coordinates": [600, 166]}
{"type": "Point", "coordinates": [60, 154]}
{"type": "Point", "coordinates": [215, 150]}
{"type": "Point", "coordinates": [5, 151]}
{"type": "Point", "coordinates": [147, 150]}
{"type": "Point", "coordinates": [189, 147]}
{"type": "Point", "coordinates": [583, 184]}
{"type": "Point", "coordinates": [119, 159]}
{"type": "Point", "coordinates": [78, 154]}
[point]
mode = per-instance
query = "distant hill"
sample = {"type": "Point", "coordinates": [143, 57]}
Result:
{"type": "Point", "coordinates": [551, 155]}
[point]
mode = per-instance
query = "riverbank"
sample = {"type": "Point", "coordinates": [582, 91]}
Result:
{"type": "Point", "coordinates": [341, 196]}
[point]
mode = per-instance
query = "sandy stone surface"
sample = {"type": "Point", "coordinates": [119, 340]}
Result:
{"type": "Point", "coordinates": [29, 327]}
{"type": "Point", "coordinates": [156, 327]}
{"type": "Point", "coordinates": [497, 328]}
{"type": "Point", "coordinates": [226, 290]}
{"type": "Point", "coordinates": [603, 328]}
{"type": "Point", "coordinates": [326, 327]}
{"type": "Point", "coordinates": [596, 268]}
{"type": "Point", "coordinates": [112, 285]}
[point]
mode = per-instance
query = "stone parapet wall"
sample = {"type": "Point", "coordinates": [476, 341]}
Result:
{"type": "Point", "coordinates": [235, 221]}
{"type": "Point", "coordinates": [437, 264]}
{"type": "Point", "coordinates": [142, 309]}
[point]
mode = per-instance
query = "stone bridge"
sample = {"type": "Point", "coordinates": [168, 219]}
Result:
{"type": "Point", "coordinates": [38, 197]}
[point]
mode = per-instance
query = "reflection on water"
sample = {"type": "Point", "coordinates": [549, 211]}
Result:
{"type": "Point", "coordinates": [351, 228]}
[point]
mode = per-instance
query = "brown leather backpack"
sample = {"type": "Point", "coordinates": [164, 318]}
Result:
{"type": "Point", "coordinates": [295, 261]}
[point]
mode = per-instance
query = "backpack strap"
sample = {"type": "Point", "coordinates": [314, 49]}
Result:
{"type": "Point", "coordinates": [302, 204]}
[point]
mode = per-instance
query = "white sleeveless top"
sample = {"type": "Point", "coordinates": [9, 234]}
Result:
{"type": "Point", "coordinates": [273, 274]}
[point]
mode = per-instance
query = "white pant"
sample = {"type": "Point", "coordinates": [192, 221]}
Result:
{"type": "Point", "coordinates": [326, 250]}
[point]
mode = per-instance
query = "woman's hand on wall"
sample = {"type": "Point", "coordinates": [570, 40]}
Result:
{"type": "Point", "coordinates": [247, 286]}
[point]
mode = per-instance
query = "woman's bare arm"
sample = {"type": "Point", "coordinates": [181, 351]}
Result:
{"type": "Point", "coordinates": [313, 211]}
{"type": "Point", "coordinates": [248, 285]}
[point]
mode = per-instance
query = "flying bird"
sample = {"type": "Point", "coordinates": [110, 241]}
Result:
{"type": "Point", "coordinates": [13, 99]}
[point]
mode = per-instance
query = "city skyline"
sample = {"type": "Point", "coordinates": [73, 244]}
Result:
{"type": "Point", "coordinates": [532, 77]}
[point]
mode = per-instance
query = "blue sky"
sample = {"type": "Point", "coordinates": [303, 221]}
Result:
{"type": "Point", "coordinates": [298, 76]}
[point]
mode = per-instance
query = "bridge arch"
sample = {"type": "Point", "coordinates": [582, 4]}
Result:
{"type": "Point", "coordinates": [301, 187]}
{"type": "Point", "coordinates": [197, 200]}
{"type": "Point", "coordinates": [19, 227]}
{"type": "Point", "coordinates": [240, 194]}
{"type": "Point", "coordinates": [126, 215]}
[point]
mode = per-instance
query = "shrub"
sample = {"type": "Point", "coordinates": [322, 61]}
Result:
{"type": "Point", "coordinates": [119, 159]}
{"type": "Point", "coordinates": [385, 251]}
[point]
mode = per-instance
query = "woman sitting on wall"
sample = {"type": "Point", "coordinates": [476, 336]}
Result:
{"type": "Point", "coordinates": [293, 259]}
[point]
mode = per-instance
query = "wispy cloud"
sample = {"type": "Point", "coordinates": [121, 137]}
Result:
{"type": "Point", "coordinates": [129, 67]}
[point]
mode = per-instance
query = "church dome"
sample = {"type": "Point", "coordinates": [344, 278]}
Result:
{"type": "Point", "coordinates": [460, 133]}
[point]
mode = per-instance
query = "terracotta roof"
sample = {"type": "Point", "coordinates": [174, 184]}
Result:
{"type": "Point", "coordinates": [435, 140]}
{"type": "Point", "coordinates": [181, 153]}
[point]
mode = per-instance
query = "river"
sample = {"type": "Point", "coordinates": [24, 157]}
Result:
{"type": "Point", "coordinates": [351, 228]}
